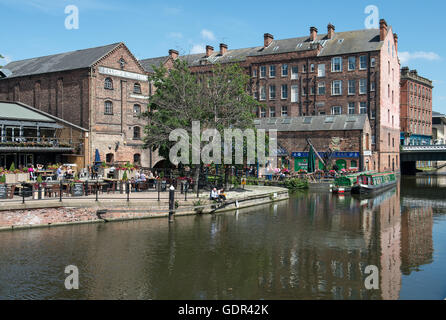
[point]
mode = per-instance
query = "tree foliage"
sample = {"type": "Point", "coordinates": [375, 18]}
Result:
{"type": "Point", "coordinates": [217, 99]}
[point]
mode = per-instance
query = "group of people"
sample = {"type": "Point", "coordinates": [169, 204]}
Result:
{"type": "Point", "coordinates": [218, 195]}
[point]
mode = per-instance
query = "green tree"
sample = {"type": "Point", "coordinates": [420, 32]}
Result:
{"type": "Point", "coordinates": [1, 57]}
{"type": "Point", "coordinates": [217, 99]}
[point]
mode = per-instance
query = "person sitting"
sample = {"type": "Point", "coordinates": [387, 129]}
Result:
{"type": "Point", "coordinates": [214, 194]}
{"type": "Point", "coordinates": [221, 195]}
{"type": "Point", "coordinates": [142, 177]}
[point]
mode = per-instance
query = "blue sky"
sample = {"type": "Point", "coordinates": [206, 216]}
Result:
{"type": "Point", "coordinates": [31, 28]}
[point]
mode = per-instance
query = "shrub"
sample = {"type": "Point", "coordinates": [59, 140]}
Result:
{"type": "Point", "coordinates": [39, 179]}
{"type": "Point", "coordinates": [12, 167]}
{"type": "Point", "coordinates": [124, 176]}
{"type": "Point", "coordinates": [296, 184]}
{"type": "Point", "coordinates": [2, 178]}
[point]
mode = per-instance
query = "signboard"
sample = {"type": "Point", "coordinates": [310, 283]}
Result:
{"type": "Point", "coordinates": [123, 74]}
{"type": "Point", "coordinates": [3, 191]}
{"type": "Point", "coordinates": [338, 154]}
{"type": "Point", "coordinates": [77, 190]}
{"type": "Point", "coordinates": [367, 153]}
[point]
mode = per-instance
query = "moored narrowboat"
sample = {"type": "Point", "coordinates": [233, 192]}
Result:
{"type": "Point", "coordinates": [344, 184]}
{"type": "Point", "coordinates": [374, 182]}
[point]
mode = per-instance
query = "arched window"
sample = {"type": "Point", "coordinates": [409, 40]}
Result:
{"type": "Point", "coordinates": [109, 157]}
{"type": "Point", "coordinates": [137, 88]}
{"type": "Point", "coordinates": [108, 84]}
{"type": "Point", "coordinates": [108, 107]}
{"type": "Point", "coordinates": [136, 110]}
{"type": "Point", "coordinates": [137, 159]}
{"type": "Point", "coordinates": [136, 133]}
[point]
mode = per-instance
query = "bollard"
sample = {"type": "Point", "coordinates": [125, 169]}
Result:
{"type": "Point", "coordinates": [86, 188]}
{"type": "Point", "coordinates": [60, 190]}
{"type": "Point", "coordinates": [158, 183]}
{"type": "Point", "coordinates": [127, 184]}
{"type": "Point", "coordinates": [39, 191]}
{"type": "Point", "coordinates": [23, 193]}
{"type": "Point", "coordinates": [171, 203]}
{"type": "Point", "coordinates": [186, 187]}
{"type": "Point", "coordinates": [97, 190]}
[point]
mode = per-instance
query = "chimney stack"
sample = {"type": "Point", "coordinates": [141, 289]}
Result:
{"type": "Point", "coordinates": [209, 51]}
{"type": "Point", "coordinates": [173, 54]}
{"type": "Point", "coordinates": [330, 31]}
{"type": "Point", "coordinates": [382, 29]}
{"type": "Point", "coordinates": [313, 33]}
{"type": "Point", "coordinates": [268, 38]}
{"type": "Point", "coordinates": [395, 37]}
{"type": "Point", "coordinates": [223, 48]}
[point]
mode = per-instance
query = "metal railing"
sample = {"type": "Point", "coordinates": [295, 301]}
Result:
{"type": "Point", "coordinates": [433, 147]}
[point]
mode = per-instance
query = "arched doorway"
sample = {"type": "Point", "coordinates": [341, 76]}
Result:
{"type": "Point", "coordinates": [341, 163]}
{"type": "Point", "coordinates": [137, 159]}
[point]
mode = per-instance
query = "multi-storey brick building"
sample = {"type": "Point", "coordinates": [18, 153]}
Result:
{"type": "Point", "coordinates": [416, 108]}
{"type": "Point", "coordinates": [354, 72]}
{"type": "Point", "coordinates": [102, 89]}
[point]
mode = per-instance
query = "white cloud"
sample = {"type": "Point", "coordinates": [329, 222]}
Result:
{"type": "Point", "coordinates": [208, 35]}
{"type": "Point", "coordinates": [198, 48]}
{"type": "Point", "coordinates": [176, 35]}
{"type": "Point", "coordinates": [6, 59]}
{"type": "Point", "coordinates": [406, 56]}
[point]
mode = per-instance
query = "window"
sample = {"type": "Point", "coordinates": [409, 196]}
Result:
{"type": "Point", "coordinates": [351, 87]}
{"type": "Point", "coordinates": [254, 73]}
{"type": "Point", "coordinates": [336, 110]}
{"type": "Point", "coordinates": [136, 110]}
{"type": "Point", "coordinates": [272, 71]}
{"type": "Point", "coordinates": [388, 141]}
{"type": "Point", "coordinates": [263, 112]}
{"type": "Point", "coordinates": [321, 88]}
{"type": "Point", "coordinates": [372, 62]}
{"type": "Point", "coordinates": [294, 72]}
{"type": "Point", "coordinates": [137, 159]}
{"type": "Point", "coordinates": [284, 111]}
{"type": "Point", "coordinates": [304, 68]}
{"type": "Point", "coordinates": [284, 91]}
{"type": "Point", "coordinates": [363, 62]}
{"type": "Point", "coordinates": [108, 107]}
{"type": "Point", "coordinates": [321, 70]}
{"type": "Point", "coordinates": [312, 90]}
{"type": "Point", "coordinates": [108, 84]}
{"type": "Point", "coordinates": [262, 71]}
{"type": "Point", "coordinates": [294, 93]}
{"type": "Point", "coordinates": [372, 86]}
{"type": "Point", "coordinates": [109, 157]}
{"type": "Point", "coordinates": [373, 139]}
{"type": "Point", "coordinates": [304, 91]}
{"type": "Point", "coordinates": [284, 70]}
{"type": "Point", "coordinates": [336, 88]}
{"type": "Point", "coordinates": [272, 92]}
{"type": "Point", "coordinates": [137, 88]}
{"type": "Point", "coordinates": [362, 86]}
{"type": "Point", "coordinates": [351, 108]}
{"type": "Point", "coordinates": [311, 67]}
{"type": "Point", "coordinates": [336, 64]}
{"type": "Point", "coordinates": [351, 63]}
{"type": "Point", "coordinates": [272, 112]}
{"type": "Point", "coordinates": [363, 107]}
{"type": "Point", "coordinates": [262, 93]}
{"type": "Point", "coordinates": [136, 133]}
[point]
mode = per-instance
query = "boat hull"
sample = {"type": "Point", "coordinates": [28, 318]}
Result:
{"type": "Point", "coordinates": [367, 189]}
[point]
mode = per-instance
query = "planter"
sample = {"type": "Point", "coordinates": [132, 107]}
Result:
{"type": "Point", "coordinates": [22, 177]}
{"type": "Point", "coordinates": [119, 174]}
{"type": "Point", "coordinates": [11, 178]}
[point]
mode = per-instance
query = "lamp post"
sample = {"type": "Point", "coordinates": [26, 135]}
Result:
{"type": "Point", "coordinates": [171, 203]}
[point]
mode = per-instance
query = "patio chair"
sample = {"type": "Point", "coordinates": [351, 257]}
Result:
{"type": "Point", "coordinates": [55, 190]}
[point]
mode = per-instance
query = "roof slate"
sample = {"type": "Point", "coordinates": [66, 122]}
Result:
{"type": "Point", "coordinates": [59, 62]}
{"type": "Point", "coordinates": [317, 123]}
{"type": "Point", "coordinates": [367, 40]}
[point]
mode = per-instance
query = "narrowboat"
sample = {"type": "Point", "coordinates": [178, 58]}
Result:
{"type": "Point", "coordinates": [345, 184]}
{"type": "Point", "coordinates": [374, 182]}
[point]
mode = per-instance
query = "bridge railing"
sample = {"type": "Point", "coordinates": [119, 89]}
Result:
{"type": "Point", "coordinates": [436, 147]}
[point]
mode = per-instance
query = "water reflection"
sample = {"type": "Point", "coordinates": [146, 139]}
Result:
{"type": "Point", "coordinates": [315, 246]}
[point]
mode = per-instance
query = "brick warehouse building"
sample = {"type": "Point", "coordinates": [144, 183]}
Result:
{"type": "Point", "coordinates": [101, 89]}
{"type": "Point", "coordinates": [416, 108]}
{"type": "Point", "coordinates": [354, 72]}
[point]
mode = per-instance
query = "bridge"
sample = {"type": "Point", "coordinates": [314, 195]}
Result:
{"type": "Point", "coordinates": [411, 154]}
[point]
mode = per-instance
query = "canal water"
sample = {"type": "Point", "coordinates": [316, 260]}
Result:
{"type": "Point", "coordinates": [314, 246]}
